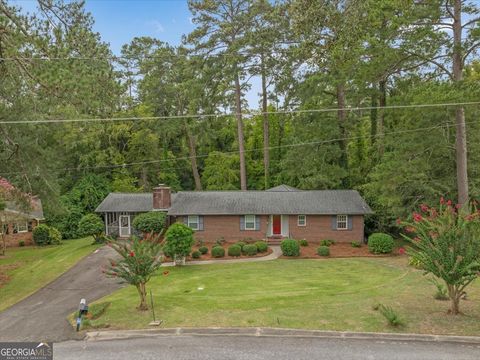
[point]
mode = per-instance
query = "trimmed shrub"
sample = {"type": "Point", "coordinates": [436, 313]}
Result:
{"type": "Point", "coordinates": [323, 250]}
{"type": "Point", "coordinates": [203, 250]}
{"type": "Point", "coordinates": [234, 250]}
{"type": "Point", "coordinates": [21, 243]}
{"type": "Point", "coordinates": [303, 242]}
{"type": "Point", "coordinates": [196, 254]}
{"type": "Point", "coordinates": [290, 247]}
{"type": "Point", "coordinates": [241, 244]}
{"type": "Point", "coordinates": [380, 243]}
{"type": "Point", "coordinates": [46, 235]}
{"type": "Point", "coordinates": [178, 240]}
{"type": "Point", "coordinates": [262, 246]}
{"type": "Point", "coordinates": [220, 240]}
{"type": "Point", "coordinates": [152, 222]}
{"type": "Point", "coordinates": [250, 249]}
{"type": "Point", "coordinates": [356, 244]}
{"type": "Point", "coordinates": [55, 236]}
{"type": "Point", "coordinates": [218, 251]}
{"type": "Point", "coordinates": [41, 235]}
{"type": "Point", "coordinates": [327, 242]}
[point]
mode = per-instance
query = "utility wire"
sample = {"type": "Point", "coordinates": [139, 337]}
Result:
{"type": "Point", "coordinates": [319, 142]}
{"type": "Point", "coordinates": [256, 113]}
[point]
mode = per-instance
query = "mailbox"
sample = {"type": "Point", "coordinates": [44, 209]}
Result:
{"type": "Point", "coordinates": [82, 310]}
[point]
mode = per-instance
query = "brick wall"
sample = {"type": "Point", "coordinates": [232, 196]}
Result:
{"type": "Point", "coordinates": [318, 228]}
{"type": "Point", "coordinates": [14, 239]}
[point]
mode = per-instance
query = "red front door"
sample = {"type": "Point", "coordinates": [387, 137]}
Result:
{"type": "Point", "coordinates": [277, 224]}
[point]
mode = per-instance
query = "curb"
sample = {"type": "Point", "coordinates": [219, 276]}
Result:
{"type": "Point", "coordinates": [275, 332]}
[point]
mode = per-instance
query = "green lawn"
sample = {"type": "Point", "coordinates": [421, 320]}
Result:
{"type": "Point", "coordinates": [27, 269]}
{"type": "Point", "coordinates": [334, 294]}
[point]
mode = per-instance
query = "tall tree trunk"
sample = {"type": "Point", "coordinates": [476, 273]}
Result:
{"type": "Point", "coordinates": [193, 157]}
{"type": "Point", "coordinates": [266, 128]}
{"type": "Point", "coordinates": [461, 131]}
{"type": "Point", "coordinates": [241, 145]}
{"type": "Point", "coordinates": [341, 114]}
{"type": "Point", "coordinates": [382, 102]}
{"type": "Point", "coordinates": [373, 117]}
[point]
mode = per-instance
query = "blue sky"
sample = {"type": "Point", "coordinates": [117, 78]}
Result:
{"type": "Point", "coordinates": [119, 21]}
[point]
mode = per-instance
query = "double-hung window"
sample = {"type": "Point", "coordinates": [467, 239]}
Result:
{"type": "Point", "coordinates": [249, 222]}
{"type": "Point", "coordinates": [342, 222]}
{"type": "Point", "coordinates": [302, 220]}
{"type": "Point", "coordinates": [193, 222]}
{"type": "Point", "coordinates": [20, 227]}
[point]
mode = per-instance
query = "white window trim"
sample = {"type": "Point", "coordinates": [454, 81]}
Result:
{"type": "Point", "coordinates": [22, 231]}
{"type": "Point", "coordinates": [190, 222]}
{"type": "Point", "coordinates": [254, 222]}
{"type": "Point", "coordinates": [340, 220]}
{"type": "Point", "coordinates": [304, 220]}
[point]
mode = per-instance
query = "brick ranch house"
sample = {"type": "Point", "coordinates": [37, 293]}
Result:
{"type": "Point", "coordinates": [19, 220]}
{"type": "Point", "coordinates": [276, 213]}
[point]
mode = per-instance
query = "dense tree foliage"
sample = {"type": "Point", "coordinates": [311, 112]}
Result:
{"type": "Point", "coordinates": [188, 124]}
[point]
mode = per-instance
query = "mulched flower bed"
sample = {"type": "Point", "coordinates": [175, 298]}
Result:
{"type": "Point", "coordinates": [208, 255]}
{"type": "Point", "coordinates": [338, 250]}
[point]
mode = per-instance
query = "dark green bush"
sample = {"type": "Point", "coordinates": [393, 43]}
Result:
{"type": "Point", "coordinates": [55, 236]}
{"type": "Point", "coordinates": [356, 244]}
{"type": "Point", "coordinates": [327, 242]}
{"type": "Point", "coordinates": [250, 249]}
{"type": "Point", "coordinates": [290, 247]}
{"type": "Point", "coordinates": [234, 250]}
{"type": "Point", "coordinates": [303, 242]}
{"type": "Point", "coordinates": [91, 225]}
{"type": "Point", "coordinates": [21, 243]}
{"type": "Point", "coordinates": [323, 250]}
{"type": "Point", "coordinates": [152, 222]}
{"type": "Point", "coordinates": [380, 243]}
{"type": "Point", "coordinates": [196, 254]}
{"type": "Point", "coordinates": [178, 240]}
{"type": "Point", "coordinates": [203, 250]}
{"type": "Point", "coordinates": [218, 251]}
{"type": "Point", "coordinates": [262, 246]}
{"type": "Point", "coordinates": [241, 244]}
{"type": "Point", "coordinates": [41, 235]}
{"type": "Point", "coordinates": [46, 235]}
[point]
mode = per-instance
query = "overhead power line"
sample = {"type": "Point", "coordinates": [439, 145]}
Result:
{"type": "Point", "coordinates": [310, 143]}
{"type": "Point", "coordinates": [255, 113]}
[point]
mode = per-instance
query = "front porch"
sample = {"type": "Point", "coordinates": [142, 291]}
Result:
{"type": "Point", "coordinates": [277, 228]}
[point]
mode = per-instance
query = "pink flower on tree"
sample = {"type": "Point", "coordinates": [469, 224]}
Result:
{"type": "Point", "coordinates": [132, 254]}
{"type": "Point", "coordinates": [399, 221]}
{"type": "Point", "coordinates": [424, 208]}
{"type": "Point", "coordinates": [417, 217]}
{"type": "Point", "coordinates": [442, 200]}
{"type": "Point", "coordinates": [410, 229]}
{"type": "Point", "coordinates": [401, 251]}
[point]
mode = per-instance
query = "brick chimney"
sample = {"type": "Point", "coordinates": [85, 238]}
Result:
{"type": "Point", "coordinates": [162, 198]}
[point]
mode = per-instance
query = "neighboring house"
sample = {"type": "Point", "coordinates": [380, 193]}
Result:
{"type": "Point", "coordinates": [273, 214]}
{"type": "Point", "coordinates": [19, 220]}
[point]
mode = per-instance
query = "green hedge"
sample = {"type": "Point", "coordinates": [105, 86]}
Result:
{"type": "Point", "coordinates": [250, 249]}
{"type": "Point", "coordinates": [380, 243]}
{"type": "Point", "coordinates": [290, 247]}
{"type": "Point", "coordinates": [150, 222]}
{"type": "Point", "coordinates": [234, 250]}
{"type": "Point", "coordinates": [262, 246]}
{"type": "Point", "coordinates": [218, 251]}
{"type": "Point", "coordinates": [323, 250]}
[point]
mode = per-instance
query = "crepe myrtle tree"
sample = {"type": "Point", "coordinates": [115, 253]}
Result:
{"type": "Point", "coordinates": [139, 259]}
{"type": "Point", "coordinates": [446, 243]}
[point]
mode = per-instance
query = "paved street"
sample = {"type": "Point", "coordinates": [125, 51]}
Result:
{"type": "Point", "coordinates": [42, 316]}
{"type": "Point", "coordinates": [252, 348]}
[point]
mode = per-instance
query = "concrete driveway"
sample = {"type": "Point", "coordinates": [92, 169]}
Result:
{"type": "Point", "coordinates": [42, 316]}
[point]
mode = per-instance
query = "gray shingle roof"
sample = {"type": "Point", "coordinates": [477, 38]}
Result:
{"type": "Point", "coordinates": [128, 202]}
{"type": "Point", "coordinates": [325, 202]}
